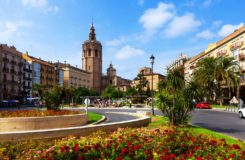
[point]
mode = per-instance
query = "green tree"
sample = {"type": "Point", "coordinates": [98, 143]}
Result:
{"type": "Point", "coordinates": [52, 98]}
{"type": "Point", "coordinates": [142, 83]}
{"type": "Point", "coordinates": [174, 99]}
{"type": "Point", "coordinates": [214, 73]}
{"type": "Point", "coordinates": [112, 92]}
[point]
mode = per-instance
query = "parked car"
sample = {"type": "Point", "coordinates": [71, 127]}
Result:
{"type": "Point", "coordinates": [203, 105]}
{"type": "Point", "coordinates": [241, 112]}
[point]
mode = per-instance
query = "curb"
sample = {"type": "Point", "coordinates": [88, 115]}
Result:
{"type": "Point", "coordinates": [99, 121]}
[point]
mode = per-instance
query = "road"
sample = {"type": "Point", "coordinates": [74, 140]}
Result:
{"type": "Point", "coordinates": [112, 117]}
{"type": "Point", "coordinates": [219, 121]}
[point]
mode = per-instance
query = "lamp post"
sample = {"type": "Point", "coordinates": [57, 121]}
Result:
{"type": "Point", "coordinates": [152, 58]}
{"type": "Point", "coordinates": [55, 70]}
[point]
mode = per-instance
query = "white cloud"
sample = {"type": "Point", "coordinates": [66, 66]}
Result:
{"type": "Point", "coordinates": [128, 52]}
{"type": "Point", "coordinates": [34, 3]}
{"type": "Point", "coordinates": [116, 42]}
{"type": "Point", "coordinates": [228, 28]}
{"type": "Point", "coordinates": [206, 34]}
{"type": "Point", "coordinates": [141, 2]}
{"type": "Point", "coordinates": [42, 4]}
{"type": "Point", "coordinates": [216, 23]}
{"type": "Point", "coordinates": [181, 25]}
{"type": "Point", "coordinates": [9, 30]}
{"type": "Point", "coordinates": [155, 18]}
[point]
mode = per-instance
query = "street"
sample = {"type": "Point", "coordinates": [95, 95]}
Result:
{"type": "Point", "coordinates": [219, 121]}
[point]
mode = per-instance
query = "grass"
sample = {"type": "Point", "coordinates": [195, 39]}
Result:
{"type": "Point", "coordinates": [93, 117]}
{"type": "Point", "coordinates": [157, 121]}
{"type": "Point", "coordinates": [230, 140]}
{"type": "Point", "coordinates": [219, 106]}
{"type": "Point", "coordinates": [160, 121]}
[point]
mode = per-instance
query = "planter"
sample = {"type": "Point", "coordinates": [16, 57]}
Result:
{"type": "Point", "coordinates": [38, 123]}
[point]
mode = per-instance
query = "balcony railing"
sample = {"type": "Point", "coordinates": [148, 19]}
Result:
{"type": "Point", "coordinates": [12, 71]}
{"type": "Point", "coordinates": [28, 70]}
{"type": "Point", "coordinates": [241, 57]}
{"type": "Point", "coordinates": [5, 69]}
{"type": "Point", "coordinates": [5, 59]}
{"type": "Point", "coordinates": [13, 62]}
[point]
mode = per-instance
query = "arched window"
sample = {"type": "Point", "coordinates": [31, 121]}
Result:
{"type": "Point", "coordinates": [89, 52]}
{"type": "Point", "coordinates": [96, 53]}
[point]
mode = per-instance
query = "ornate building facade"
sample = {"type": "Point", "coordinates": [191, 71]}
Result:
{"type": "Point", "coordinates": [92, 63]}
{"type": "Point", "coordinates": [92, 60]}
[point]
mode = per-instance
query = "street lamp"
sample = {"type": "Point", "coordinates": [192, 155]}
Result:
{"type": "Point", "coordinates": [152, 58]}
{"type": "Point", "coordinates": [55, 70]}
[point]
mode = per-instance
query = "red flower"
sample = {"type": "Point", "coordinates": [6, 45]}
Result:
{"type": "Point", "coordinates": [172, 155]}
{"type": "Point", "coordinates": [236, 146]}
{"type": "Point", "coordinates": [199, 158]}
{"type": "Point", "coordinates": [147, 152]}
{"type": "Point", "coordinates": [76, 147]}
{"type": "Point", "coordinates": [196, 148]}
{"type": "Point", "coordinates": [231, 155]}
{"type": "Point", "coordinates": [214, 142]}
{"type": "Point", "coordinates": [124, 151]}
{"type": "Point", "coordinates": [119, 158]}
{"type": "Point", "coordinates": [64, 148]}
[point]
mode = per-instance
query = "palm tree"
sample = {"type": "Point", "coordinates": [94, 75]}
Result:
{"type": "Point", "coordinates": [214, 73]}
{"type": "Point", "coordinates": [204, 75]}
{"type": "Point", "coordinates": [174, 99]}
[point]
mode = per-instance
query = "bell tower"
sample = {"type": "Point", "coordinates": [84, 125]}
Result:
{"type": "Point", "coordinates": [92, 60]}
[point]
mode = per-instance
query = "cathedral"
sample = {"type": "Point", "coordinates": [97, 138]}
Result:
{"type": "Point", "coordinates": [92, 63]}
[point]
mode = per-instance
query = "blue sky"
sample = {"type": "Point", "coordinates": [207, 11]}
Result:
{"type": "Point", "coordinates": [129, 30]}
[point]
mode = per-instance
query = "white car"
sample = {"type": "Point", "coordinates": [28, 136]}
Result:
{"type": "Point", "coordinates": [241, 112]}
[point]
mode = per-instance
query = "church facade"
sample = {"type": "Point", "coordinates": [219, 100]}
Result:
{"type": "Point", "coordinates": [92, 63]}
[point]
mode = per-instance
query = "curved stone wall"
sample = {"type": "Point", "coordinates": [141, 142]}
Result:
{"type": "Point", "coordinates": [6, 137]}
{"type": "Point", "coordinates": [38, 123]}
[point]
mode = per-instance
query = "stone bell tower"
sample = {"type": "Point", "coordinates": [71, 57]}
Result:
{"type": "Point", "coordinates": [92, 60]}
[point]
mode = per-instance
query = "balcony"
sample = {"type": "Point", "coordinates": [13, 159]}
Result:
{"type": "Point", "coordinates": [221, 53]}
{"type": "Point", "coordinates": [5, 59]}
{"type": "Point", "coordinates": [236, 45]}
{"type": "Point", "coordinates": [5, 70]}
{"type": "Point", "coordinates": [192, 67]}
{"type": "Point", "coordinates": [13, 62]}
{"type": "Point", "coordinates": [20, 64]}
{"type": "Point", "coordinates": [12, 71]}
{"type": "Point", "coordinates": [27, 70]}
{"type": "Point", "coordinates": [27, 78]}
{"type": "Point", "coordinates": [241, 57]}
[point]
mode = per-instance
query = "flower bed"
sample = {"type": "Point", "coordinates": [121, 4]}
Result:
{"type": "Point", "coordinates": [36, 113]}
{"type": "Point", "coordinates": [38, 120]}
{"type": "Point", "coordinates": [141, 143]}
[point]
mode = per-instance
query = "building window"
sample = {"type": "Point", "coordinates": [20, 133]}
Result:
{"type": "Point", "coordinates": [89, 52]}
{"type": "Point", "coordinates": [235, 53]}
{"type": "Point", "coordinates": [89, 68]}
{"type": "Point", "coordinates": [96, 53]}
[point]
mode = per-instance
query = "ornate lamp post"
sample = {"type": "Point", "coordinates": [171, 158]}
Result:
{"type": "Point", "coordinates": [152, 58]}
{"type": "Point", "coordinates": [55, 72]}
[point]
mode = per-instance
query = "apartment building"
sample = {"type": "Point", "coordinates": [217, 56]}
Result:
{"type": "Point", "coordinates": [43, 72]}
{"type": "Point", "coordinates": [233, 45]}
{"type": "Point", "coordinates": [74, 76]}
{"type": "Point", "coordinates": [178, 62]}
{"type": "Point", "coordinates": [147, 73]}
{"type": "Point", "coordinates": [27, 78]}
{"type": "Point", "coordinates": [11, 67]}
